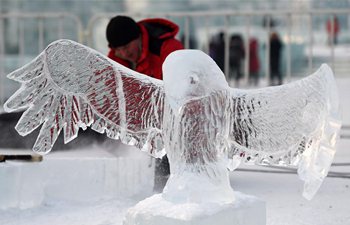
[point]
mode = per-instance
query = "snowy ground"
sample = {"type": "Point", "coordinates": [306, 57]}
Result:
{"type": "Point", "coordinates": [281, 191]}
{"type": "Point", "coordinates": [286, 206]}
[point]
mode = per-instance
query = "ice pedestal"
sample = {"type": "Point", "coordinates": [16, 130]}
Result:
{"type": "Point", "coordinates": [155, 210]}
{"type": "Point", "coordinates": [20, 185]}
{"type": "Point", "coordinates": [198, 194]}
{"type": "Point", "coordinates": [79, 176]}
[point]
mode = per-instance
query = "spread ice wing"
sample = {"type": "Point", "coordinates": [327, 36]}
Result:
{"type": "Point", "coordinates": [70, 85]}
{"type": "Point", "coordinates": [293, 124]}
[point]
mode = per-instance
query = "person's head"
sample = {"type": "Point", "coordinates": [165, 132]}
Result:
{"type": "Point", "coordinates": [124, 36]}
{"type": "Point", "coordinates": [274, 36]}
{"type": "Point", "coordinates": [221, 35]}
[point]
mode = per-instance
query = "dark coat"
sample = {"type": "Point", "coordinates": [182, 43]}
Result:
{"type": "Point", "coordinates": [275, 54]}
{"type": "Point", "coordinates": [237, 52]}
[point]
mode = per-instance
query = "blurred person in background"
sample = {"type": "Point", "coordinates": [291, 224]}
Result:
{"type": "Point", "coordinates": [237, 55]}
{"type": "Point", "coordinates": [217, 50]}
{"type": "Point", "coordinates": [143, 46]}
{"type": "Point", "coordinates": [276, 46]}
{"type": "Point", "coordinates": [333, 28]}
{"type": "Point", "coordinates": [254, 62]}
{"type": "Point", "coordinates": [192, 43]}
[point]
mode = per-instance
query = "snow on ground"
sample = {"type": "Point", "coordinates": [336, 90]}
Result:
{"type": "Point", "coordinates": [61, 213]}
{"type": "Point", "coordinates": [285, 204]}
{"type": "Point", "coordinates": [282, 193]}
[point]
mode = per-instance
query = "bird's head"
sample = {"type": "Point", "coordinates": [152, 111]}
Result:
{"type": "Point", "coordinates": [189, 74]}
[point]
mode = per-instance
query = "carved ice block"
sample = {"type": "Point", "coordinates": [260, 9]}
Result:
{"type": "Point", "coordinates": [20, 185]}
{"type": "Point", "coordinates": [155, 210]}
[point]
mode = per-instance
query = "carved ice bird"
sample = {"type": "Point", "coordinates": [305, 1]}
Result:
{"type": "Point", "coordinates": [202, 124]}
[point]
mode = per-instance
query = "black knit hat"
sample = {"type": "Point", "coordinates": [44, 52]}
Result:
{"type": "Point", "coordinates": [121, 30]}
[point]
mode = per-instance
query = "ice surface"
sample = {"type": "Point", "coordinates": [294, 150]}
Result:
{"type": "Point", "coordinates": [330, 206]}
{"type": "Point", "coordinates": [20, 186]}
{"type": "Point", "coordinates": [293, 125]}
{"type": "Point", "coordinates": [156, 210]}
{"type": "Point", "coordinates": [79, 176]}
{"type": "Point", "coordinates": [199, 121]}
{"type": "Point", "coordinates": [69, 86]}
{"type": "Point", "coordinates": [190, 74]}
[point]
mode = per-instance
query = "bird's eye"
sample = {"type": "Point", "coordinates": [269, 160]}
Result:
{"type": "Point", "coordinates": [193, 79]}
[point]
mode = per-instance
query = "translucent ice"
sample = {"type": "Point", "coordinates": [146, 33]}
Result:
{"type": "Point", "coordinates": [193, 116]}
{"type": "Point", "coordinates": [155, 210]}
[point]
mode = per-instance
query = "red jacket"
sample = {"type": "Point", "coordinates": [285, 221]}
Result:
{"type": "Point", "coordinates": [158, 41]}
{"type": "Point", "coordinates": [335, 26]}
{"type": "Point", "coordinates": [253, 56]}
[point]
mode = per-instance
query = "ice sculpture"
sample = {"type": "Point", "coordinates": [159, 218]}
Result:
{"type": "Point", "coordinates": [202, 124]}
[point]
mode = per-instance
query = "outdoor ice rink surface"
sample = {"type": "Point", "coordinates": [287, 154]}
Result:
{"type": "Point", "coordinates": [281, 191]}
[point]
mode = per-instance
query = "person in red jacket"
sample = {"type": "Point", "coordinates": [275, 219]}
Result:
{"type": "Point", "coordinates": [143, 47]}
{"type": "Point", "coordinates": [254, 63]}
{"type": "Point", "coordinates": [333, 28]}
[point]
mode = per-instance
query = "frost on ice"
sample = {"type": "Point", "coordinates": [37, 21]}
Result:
{"type": "Point", "coordinates": [202, 124]}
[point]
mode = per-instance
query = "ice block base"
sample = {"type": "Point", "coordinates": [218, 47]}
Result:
{"type": "Point", "coordinates": [155, 210]}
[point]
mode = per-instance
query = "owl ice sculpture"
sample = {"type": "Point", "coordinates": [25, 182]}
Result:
{"type": "Point", "coordinates": [194, 117]}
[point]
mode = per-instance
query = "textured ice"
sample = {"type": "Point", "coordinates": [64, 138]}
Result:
{"type": "Point", "coordinates": [89, 175]}
{"type": "Point", "coordinates": [20, 185]}
{"type": "Point", "coordinates": [155, 210]}
{"type": "Point", "coordinates": [203, 125]}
